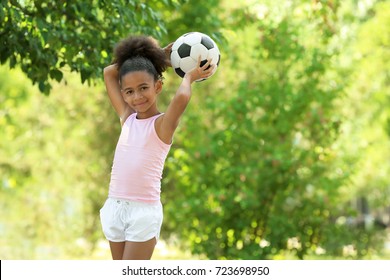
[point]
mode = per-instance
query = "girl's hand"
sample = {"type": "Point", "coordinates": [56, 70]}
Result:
{"type": "Point", "coordinates": [201, 72]}
{"type": "Point", "coordinates": [167, 51]}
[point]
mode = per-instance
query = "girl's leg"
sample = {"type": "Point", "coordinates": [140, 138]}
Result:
{"type": "Point", "coordinates": [117, 249]}
{"type": "Point", "coordinates": [139, 250]}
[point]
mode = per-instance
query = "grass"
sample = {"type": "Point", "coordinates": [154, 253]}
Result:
{"type": "Point", "coordinates": [165, 251]}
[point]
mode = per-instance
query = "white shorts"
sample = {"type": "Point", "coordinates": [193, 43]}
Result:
{"type": "Point", "coordinates": [124, 220]}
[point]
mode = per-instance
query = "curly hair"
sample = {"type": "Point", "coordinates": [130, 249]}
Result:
{"type": "Point", "coordinates": [140, 53]}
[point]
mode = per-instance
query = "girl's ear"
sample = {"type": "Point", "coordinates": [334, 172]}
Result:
{"type": "Point", "coordinates": [158, 86]}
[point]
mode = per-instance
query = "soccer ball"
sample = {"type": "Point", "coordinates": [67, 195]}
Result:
{"type": "Point", "coordinates": [186, 51]}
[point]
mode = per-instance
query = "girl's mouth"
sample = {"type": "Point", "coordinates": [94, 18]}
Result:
{"type": "Point", "coordinates": [140, 104]}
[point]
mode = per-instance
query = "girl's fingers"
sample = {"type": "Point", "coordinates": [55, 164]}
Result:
{"type": "Point", "coordinates": [199, 61]}
{"type": "Point", "coordinates": [205, 70]}
{"type": "Point", "coordinates": [206, 65]}
{"type": "Point", "coordinates": [210, 71]}
{"type": "Point", "coordinates": [168, 49]}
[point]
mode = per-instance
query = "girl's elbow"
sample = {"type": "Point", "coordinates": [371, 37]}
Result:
{"type": "Point", "coordinates": [110, 70]}
{"type": "Point", "coordinates": [106, 72]}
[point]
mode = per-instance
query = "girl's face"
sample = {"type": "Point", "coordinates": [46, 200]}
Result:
{"type": "Point", "coordinates": [140, 90]}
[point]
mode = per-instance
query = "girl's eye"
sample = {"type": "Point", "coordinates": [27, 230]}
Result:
{"type": "Point", "coordinates": [143, 88]}
{"type": "Point", "coordinates": [129, 92]}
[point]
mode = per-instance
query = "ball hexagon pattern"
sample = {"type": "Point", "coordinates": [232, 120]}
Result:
{"type": "Point", "coordinates": [187, 49]}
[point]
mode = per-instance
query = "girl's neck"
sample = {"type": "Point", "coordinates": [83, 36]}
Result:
{"type": "Point", "coordinates": [147, 114]}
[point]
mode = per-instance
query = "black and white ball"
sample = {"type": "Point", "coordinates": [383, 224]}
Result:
{"type": "Point", "coordinates": [186, 51]}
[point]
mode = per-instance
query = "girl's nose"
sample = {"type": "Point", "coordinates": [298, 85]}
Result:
{"type": "Point", "coordinates": [137, 95]}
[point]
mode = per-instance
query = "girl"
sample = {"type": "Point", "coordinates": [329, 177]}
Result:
{"type": "Point", "coordinates": [132, 215]}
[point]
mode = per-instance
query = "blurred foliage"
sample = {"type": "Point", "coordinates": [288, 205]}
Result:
{"type": "Point", "coordinates": [271, 156]}
{"type": "Point", "coordinates": [274, 167]}
{"type": "Point", "coordinates": [53, 174]}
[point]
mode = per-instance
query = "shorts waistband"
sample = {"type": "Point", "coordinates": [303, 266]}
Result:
{"type": "Point", "coordinates": [133, 202]}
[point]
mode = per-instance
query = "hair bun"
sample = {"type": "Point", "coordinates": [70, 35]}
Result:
{"type": "Point", "coordinates": [140, 46]}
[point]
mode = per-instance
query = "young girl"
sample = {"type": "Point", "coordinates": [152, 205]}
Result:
{"type": "Point", "coordinates": [132, 215]}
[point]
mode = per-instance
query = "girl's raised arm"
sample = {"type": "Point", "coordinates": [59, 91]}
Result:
{"type": "Point", "coordinates": [111, 79]}
{"type": "Point", "coordinates": [169, 122]}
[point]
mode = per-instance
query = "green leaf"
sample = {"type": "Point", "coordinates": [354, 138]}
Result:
{"type": "Point", "coordinates": [56, 75]}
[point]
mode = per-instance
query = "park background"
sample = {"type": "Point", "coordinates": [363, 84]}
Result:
{"type": "Point", "coordinates": [283, 154]}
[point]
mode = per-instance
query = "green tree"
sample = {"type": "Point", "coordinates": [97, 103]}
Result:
{"type": "Point", "coordinates": [46, 37]}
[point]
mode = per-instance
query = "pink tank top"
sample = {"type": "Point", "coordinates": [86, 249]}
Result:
{"type": "Point", "coordinates": [138, 162]}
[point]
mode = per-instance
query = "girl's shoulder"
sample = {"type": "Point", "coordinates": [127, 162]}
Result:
{"type": "Point", "coordinates": [164, 136]}
{"type": "Point", "coordinates": [128, 112]}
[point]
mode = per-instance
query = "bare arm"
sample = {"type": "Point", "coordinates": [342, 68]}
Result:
{"type": "Point", "coordinates": [111, 79]}
{"type": "Point", "coordinates": [169, 122]}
